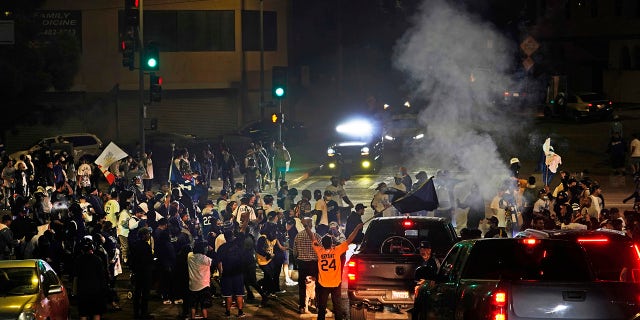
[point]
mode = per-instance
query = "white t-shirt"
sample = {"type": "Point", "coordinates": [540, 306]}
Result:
{"type": "Point", "coordinates": [242, 209]}
{"type": "Point", "coordinates": [338, 193]}
{"type": "Point", "coordinates": [199, 271]}
{"type": "Point", "coordinates": [636, 151]}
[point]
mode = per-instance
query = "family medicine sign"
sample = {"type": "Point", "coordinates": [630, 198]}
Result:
{"type": "Point", "coordinates": [53, 22]}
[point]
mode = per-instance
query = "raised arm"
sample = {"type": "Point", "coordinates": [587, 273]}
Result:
{"type": "Point", "coordinates": [354, 233]}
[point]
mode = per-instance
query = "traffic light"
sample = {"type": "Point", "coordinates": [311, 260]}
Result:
{"type": "Point", "coordinates": [277, 118]}
{"type": "Point", "coordinates": [155, 87]}
{"type": "Point", "coordinates": [279, 82]}
{"type": "Point", "coordinates": [132, 13]}
{"type": "Point", "coordinates": [127, 45]}
{"type": "Point", "coordinates": [151, 58]}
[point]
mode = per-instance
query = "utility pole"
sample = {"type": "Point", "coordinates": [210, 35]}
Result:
{"type": "Point", "coordinates": [141, 78]}
{"type": "Point", "coordinates": [262, 60]}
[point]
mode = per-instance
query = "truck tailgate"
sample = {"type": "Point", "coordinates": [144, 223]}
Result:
{"type": "Point", "coordinates": [595, 300]}
{"type": "Point", "coordinates": [385, 278]}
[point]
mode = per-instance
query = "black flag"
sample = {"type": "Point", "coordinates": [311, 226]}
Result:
{"type": "Point", "coordinates": [422, 198]}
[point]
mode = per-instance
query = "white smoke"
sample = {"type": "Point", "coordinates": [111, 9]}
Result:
{"type": "Point", "coordinates": [457, 63]}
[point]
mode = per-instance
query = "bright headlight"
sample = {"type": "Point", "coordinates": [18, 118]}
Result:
{"type": "Point", "coordinates": [364, 151]}
{"type": "Point", "coordinates": [418, 136]}
{"type": "Point", "coordinates": [388, 137]}
{"type": "Point", "coordinates": [366, 164]}
{"type": "Point", "coordinates": [331, 152]}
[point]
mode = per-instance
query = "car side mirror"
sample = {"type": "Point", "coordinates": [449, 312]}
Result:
{"type": "Point", "coordinates": [53, 289]}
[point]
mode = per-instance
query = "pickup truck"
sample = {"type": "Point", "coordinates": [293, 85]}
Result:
{"type": "Point", "coordinates": [528, 278]}
{"type": "Point", "coordinates": [380, 273]}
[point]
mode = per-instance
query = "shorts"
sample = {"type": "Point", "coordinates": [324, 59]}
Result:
{"type": "Point", "coordinates": [635, 161]}
{"type": "Point", "coordinates": [91, 304]}
{"type": "Point", "coordinates": [232, 285]}
{"type": "Point", "coordinates": [285, 257]}
{"type": "Point", "coordinates": [198, 298]}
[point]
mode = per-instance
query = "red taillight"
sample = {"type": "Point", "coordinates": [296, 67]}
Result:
{"type": "Point", "coordinates": [590, 105]}
{"type": "Point", "coordinates": [610, 102]}
{"type": "Point", "coordinates": [635, 247]}
{"type": "Point", "coordinates": [407, 223]}
{"type": "Point", "coordinates": [530, 241]}
{"type": "Point", "coordinates": [351, 270]}
{"type": "Point", "coordinates": [499, 303]}
{"type": "Point", "coordinates": [593, 240]}
{"type": "Point", "coordinates": [506, 93]}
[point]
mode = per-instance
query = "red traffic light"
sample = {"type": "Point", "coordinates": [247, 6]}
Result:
{"type": "Point", "coordinates": [159, 80]}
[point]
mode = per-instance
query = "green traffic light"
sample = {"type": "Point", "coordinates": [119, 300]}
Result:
{"type": "Point", "coordinates": [279, 92]}
{"type": "Point", "coordinates": [151, 63]}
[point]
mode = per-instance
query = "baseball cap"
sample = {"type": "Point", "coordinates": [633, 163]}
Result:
{"type": "Point", "coordinates": [333, 224]}
{"type": "Point", "coordinates": [223, 192]}
{"type": "Point", "coordinates": [142, 207]}
{"type": "Point", "coordinates": [424, 244]}
{"type": "Point", "coordinates": [210, 202]}
{"type": "Point", "coordinates": [360, 206]}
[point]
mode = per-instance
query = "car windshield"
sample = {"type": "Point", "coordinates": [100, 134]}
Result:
{"type": "Point", "coordinates": [588, 97]}
{"type": "Point", "coordinates": [403, 236]}
{"type": "Point", "coordinates": [522, 260]}
{"type": "Point", "coordinates": [18, 281]}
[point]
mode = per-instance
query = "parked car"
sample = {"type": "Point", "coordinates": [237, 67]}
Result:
{"type": "Point", "coordinates": [613, 254]}
{"type": "Point", "coordinates": [31, 289]}
{"type": "Point", "coordinates": [77, 144]}
{"type": "Point", "coordinates": [580, 105]}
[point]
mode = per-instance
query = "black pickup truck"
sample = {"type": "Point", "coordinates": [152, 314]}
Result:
{"type": "Point", "coordinates": [381, 271]}
{"type": "Point", "coordinates": [517, 279]}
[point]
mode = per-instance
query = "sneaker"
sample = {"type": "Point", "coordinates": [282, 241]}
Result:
{"type": "Point", "coordinates": [166, 301]}
{"type": "Point", "coordinates": [241, 314]}
{"type": "Point", "coordinates": [179, 301]}
{"type": "Point", "coordinates": [282, 291]}
{"type": "Point", "coordinates": [304, 311]}
{"type": "Point", "coordinates": [329, 314]}
{"type": "Point", "coordinates": [291, 283]}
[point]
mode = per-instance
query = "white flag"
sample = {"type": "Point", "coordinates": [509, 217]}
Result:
{"type": "Point", "coordinates": [109, 155]}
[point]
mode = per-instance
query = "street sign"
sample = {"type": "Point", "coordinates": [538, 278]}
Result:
{"type": "Point", "coordinates": [529, 45]}
{"type": "Point", "coordinates": [527, 63]}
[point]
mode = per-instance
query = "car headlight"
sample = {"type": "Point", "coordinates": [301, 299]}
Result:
{"type": "Point", "coordinates": [331, 152]}
{"type": "Point", "coordinates": [28, 313]}
{"type": "Point", "coordinates": [364, 151]}
{"type": "Point", "coordinates": [418, 136]}
{"type": "Point", "coordinates": [388, 137]}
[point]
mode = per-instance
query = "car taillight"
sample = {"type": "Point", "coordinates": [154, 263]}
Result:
{"type": "Point", "coordinates": [637, 249]}
{"type": "Point", "coordinates": [530, 241]}
{"type": "Point", "coordinates": [352, 270]}
{"type": "Point", "coordinates": [590, 105]}
{"type": "Point", "coordinates": [407, 223]}
{"type": "Point", "coordinates": [499, 305]}
{"type": "Point", "coordinates": [593, 240]}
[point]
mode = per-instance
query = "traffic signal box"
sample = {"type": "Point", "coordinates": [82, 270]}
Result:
{"type": "Point", "coordinates": [129, 32]}
{"type": "Point", "coordinates": [151, 58]}
{"type": "Point", "coordinates": [155, 87]}
{"type": "Point", "coordinates": [277, 118]}
{"type": "Point", "coordinates": [279, 82]}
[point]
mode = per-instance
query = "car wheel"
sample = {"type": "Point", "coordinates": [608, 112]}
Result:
{"type": "Point", "coordinates": [357, 313]}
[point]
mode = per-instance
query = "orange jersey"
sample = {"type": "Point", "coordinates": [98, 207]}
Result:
{"type": "Point", "coordinates": [329, 264]}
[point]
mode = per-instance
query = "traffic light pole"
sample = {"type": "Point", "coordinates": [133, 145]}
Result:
{"type": "Point", "coordinates": [281, 120]}
{"type": "Point", "coordinates": [141, 78]}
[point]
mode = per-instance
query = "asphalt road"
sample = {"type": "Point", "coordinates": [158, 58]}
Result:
{"type": "Point", "coordinates": [581, 145]}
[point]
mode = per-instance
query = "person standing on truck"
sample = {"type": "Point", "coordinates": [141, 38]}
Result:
{"type": "Point", "coordinates": [330, 270]}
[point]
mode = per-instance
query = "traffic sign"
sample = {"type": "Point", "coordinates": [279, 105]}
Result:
{"type": "Point", "coordinates": [529, 45]}
{"type": "Point", "coordinates": [527, 63]}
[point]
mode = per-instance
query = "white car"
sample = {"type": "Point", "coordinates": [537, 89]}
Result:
{"type": "Point", "coordinates": [77, 144]}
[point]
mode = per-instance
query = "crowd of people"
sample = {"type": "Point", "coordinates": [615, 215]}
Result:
{"type": "Point", "coordinates": [180, 241]}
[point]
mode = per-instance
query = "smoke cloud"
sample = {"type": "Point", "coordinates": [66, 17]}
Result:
{"type": "Point", "coordinates": [457, 63]}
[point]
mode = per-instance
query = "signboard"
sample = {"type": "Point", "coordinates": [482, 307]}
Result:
{"type": "Point", "coordinates": [527, 63]}
{"type": "Point", "coordinates": [53, 22]}
{"type": "Point", "coordinates": [529, 45]}
{"type": "Point", "coordinates": [7, 32]}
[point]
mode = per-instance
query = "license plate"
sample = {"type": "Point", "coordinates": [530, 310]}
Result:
{"type": "Point", "coordinates": [515, 94]}
{"type": "Point", "coordinates": [400, 294]}
{"type": "Point", "coordinates": [600, 106]}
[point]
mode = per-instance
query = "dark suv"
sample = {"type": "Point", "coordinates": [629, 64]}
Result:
{"type": "Point", "coordinates": [614, 255]}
